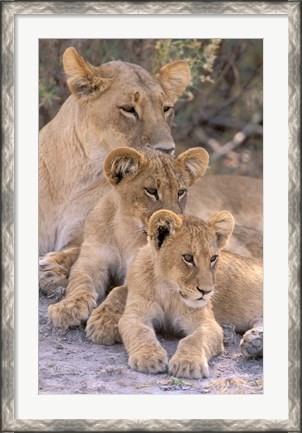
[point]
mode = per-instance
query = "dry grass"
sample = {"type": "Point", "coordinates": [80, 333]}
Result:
{"type": "Point", "coordinates": [235, 385]}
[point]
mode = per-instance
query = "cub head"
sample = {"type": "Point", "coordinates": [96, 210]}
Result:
{"type": "Point", "coordinates": [144, 182]}
{"type": "Point", "coordinates": [186, 252]}
{"type": "Point", "coordinates": [121, 104]}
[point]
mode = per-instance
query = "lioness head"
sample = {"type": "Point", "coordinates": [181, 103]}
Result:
{"type": "Point", "coordinates": [122, 104]}
{"type": "Point", "coordinates": [187, 251]}
{"type": "Point", "coordinates": [147, 181]}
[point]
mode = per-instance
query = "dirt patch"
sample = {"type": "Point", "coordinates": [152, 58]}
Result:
{"type": "Point", "coordinates": [71, 364]}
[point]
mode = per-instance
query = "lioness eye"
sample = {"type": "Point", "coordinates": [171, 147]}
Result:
{"type": "Point", "coordinates": [130, 110]}
{"type": "Point", "coordinates": [188, 258]}
{"type": "Point", "coordinates": [182, 192]}
{"type": "Point", "coordinates": [213, 259]}
{"type": "Point", "coordinates": [152, 192]}
{"type": "Point", "coordinates": [167, 108]}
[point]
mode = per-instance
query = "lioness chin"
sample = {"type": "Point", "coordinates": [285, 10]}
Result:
{"type": "Point", "coordinates": [170, 284]}
{"type": "Point", "coordinates": [141, 183]}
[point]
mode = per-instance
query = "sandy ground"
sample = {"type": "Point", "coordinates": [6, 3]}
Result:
{"type": "Point", "coordinates": [71, 364]}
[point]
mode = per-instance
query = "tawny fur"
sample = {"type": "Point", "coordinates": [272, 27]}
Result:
{"type": "Point", "coordinates": [168, 290]}
{"type": "Point", "coordinates": [170, 283]}
{"type": "Point", "coordinates": [94, 120]}
{"type": "Point", "coordinates": [141, 183]}
{"type": "Point", "coordinates": [238, 297]}
{"type": "Point", "coordinates": [237, 300]}
{"type": "Point", "coordinates": [240, 195]}
{"type": "Point", "coordinates": [91, 123]}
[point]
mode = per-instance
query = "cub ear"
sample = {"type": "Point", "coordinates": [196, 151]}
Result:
{"type": "Point", "coordinates": [194, 162]}
{"type": "Point", "coordinates": [174, 78]}
{"type": "Point", "coordinates": [223, 224]}
{"type": "Point", "coordinates": [121, 163]}
{"type": "Point", "coordinates": [162, 224]}
{"type": "Point", "coordinates": [83, 79]}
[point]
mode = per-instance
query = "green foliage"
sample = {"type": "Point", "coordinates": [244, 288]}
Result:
{"type": "Point", "coordinates": [48, 93]}
{"type": "Point", "coordinates": [200, 55]}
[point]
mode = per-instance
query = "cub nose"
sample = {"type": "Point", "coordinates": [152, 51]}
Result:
{"type": "Point", "coordinates": [202, 291]}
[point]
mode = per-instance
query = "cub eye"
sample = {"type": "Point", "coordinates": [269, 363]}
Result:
{"type": "Point", "coordinates": [182, 192]}
{"type": "Point", "coordinates": [128, 109]}
{"type": "Point", "coordinates": [152, 192]}
{"type": "Point", "coordinates": [167, 109]}
{"type": "Point", "coordinates": [188, 258]}
{"type": "Point", "coordinates": [213, 260]}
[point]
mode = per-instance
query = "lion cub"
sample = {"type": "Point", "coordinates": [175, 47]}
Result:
{"type": "Point", "coordinates": [141, 183]}
{"type": "Point", "coordinates": [237, 300]}
{"type": "Point", "coordinates": [170, 283]}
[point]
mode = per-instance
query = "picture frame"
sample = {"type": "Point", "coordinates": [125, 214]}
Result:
{"type": "Point", "coordinates": [9, 10]}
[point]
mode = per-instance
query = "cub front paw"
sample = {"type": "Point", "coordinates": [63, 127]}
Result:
{"type": "Point", "coordinates": [189, 367]}
{"type": "Point", "coordinates": [102, 326]}
{"type": "Point", "coordinates": [151, 361]}
{"type": "Point", "coordinates": [53, 274]}
{"type": "Point", "coordinates": [70, 312]}
{"type": "Point", "coordinates": [251, 345]}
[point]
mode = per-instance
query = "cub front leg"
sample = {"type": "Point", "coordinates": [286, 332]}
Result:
{"type": "Point", "coordinates": [88, 280]}
{"type": "Point", "coordinates": [194, 351]}
{"type": "Point", "coordinates": [145, 353]}
{"type": "Point", "coordinates": [54, 269]}
{"type": "Point", "coordinates": [102, 326]}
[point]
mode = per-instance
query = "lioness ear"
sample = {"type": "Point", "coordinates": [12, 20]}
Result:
{"type": "Point", "coordinates": [83, 79]}
{"type": "Point", "coordinates": [195, 163]}
{"type": "Point", "coordinates": [223, 224]}
{"type": "Point", "coordinates": [174, 78]}
{"type": "Point", "coordinates": [162, 223]}
{"type": "Point", "coordinates": [122, 162]}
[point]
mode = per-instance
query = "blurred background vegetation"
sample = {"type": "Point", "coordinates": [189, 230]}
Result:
{"type": "Point", "coordinates": [221, 110]}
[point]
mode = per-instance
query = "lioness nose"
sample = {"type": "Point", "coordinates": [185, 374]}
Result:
{"type": "Point", "coordinates": [202, 291]}
{"type": "Point", "coordinates": [165, 147]}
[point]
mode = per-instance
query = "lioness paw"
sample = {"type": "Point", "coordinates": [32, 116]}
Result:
{"type": "Point", "coordinates": [251, 345]}
{"type": "Point", "coordinates": [195, 367]}
{"type": "Point", "coordinates": [53, 274]}
{"type": "Point", "coordinates": [70, 312]}
{"type": "Point", "coordinates": [152, 361]}
{"type": "Point", "coordinates": [102, 326]}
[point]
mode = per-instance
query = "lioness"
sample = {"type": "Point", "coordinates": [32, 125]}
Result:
{"type": "Point", "coordinates": [170, 283]}
{"type": "Point", "coordinates": [115, 104]}
{"type": "Point", "coordinates": [141, 183]}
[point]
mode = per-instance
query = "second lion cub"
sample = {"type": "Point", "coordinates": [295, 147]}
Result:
{"type": "Point", "coordinates": [141, 183]}
{"type": "Point", "coordinates": [170, 283]}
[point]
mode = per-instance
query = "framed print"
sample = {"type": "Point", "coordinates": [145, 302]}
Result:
{"type": "Point", "coordinates": [241, 103]}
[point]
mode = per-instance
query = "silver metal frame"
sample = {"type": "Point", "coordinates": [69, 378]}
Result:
{"type": "Point", "coordinates": [9, 10]}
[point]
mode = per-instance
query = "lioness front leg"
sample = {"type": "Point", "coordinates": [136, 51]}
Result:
{"type": "Point", "coordinates": [54, 269]}
{"type": "Point", "coordinates": [251, 344]}
{"type": "Point", "coordinates": [102, 326]}
{"type": "Point", "coordinates": [194, 351]}
{"type": "Point", "coordinates": [88, 280]}
{"type": "Point", "coordinates": [144, 351]}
